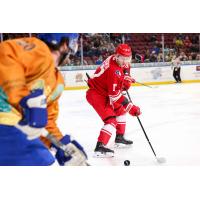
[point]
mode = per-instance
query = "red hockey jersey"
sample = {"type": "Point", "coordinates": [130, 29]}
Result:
{"type": "Point", "coordinates": [108, 79]}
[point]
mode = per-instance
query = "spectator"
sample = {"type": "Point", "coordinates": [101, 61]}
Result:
{"type": "Point", "coordinates": [198, 57]}
{"type": "Point", "coordinates": [155, 50]}
{"type": "Point", "coordinates": [183, 56]}
{"type": "Point", "coordinates": [195, 39]}
{"type": "Point", "coordinates": [190, 57]}
{"type": "Point", "coordinates": [153, 57]}
{"type": "Point", "coordinates": [160, 57]}
{"type": "Point", "coordinates": [187, 42]}
{"type": "Point", "coordinates": [179, 42]}
{"type": "Point", "coordinates": [153, 39]}
{"type": "Point", "coordinates": [147, 56]}
{"type": "Point", "coordinates": [99, 60]}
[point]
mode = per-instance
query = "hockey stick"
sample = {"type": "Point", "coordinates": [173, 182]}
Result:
{"type": "Point", "coordinates": [127, 73]}
{"type": "Point", "coordinates": [144, 84]}
{"type": "Point", "coordinates": [87, 75]}
{"type": "Point", "coordinates": [58, 144]}
{"type": "Point", "coordinates": [159, 160]}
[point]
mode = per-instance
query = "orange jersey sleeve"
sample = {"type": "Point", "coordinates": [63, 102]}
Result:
{"type": "Point", "coordinates": [23, 62]}
{"type": "Point", "coordinates": [27, 64]}
{"type": "Point", "coordinates": [52, 126]}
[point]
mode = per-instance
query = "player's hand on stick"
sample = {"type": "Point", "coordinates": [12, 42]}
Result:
{"type": "Point", "coordinates": [72, 153]}
{"type": "Point", "coordinates": [127, 82]}
{"type": "Point", "coordinates": [132, 109]}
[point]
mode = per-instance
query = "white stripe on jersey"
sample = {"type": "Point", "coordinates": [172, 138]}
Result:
{"type": "Point", "coordinates": [109, 129]}
{"type": "Point", "coordinates": [129, 106]}
{"type": "Point", "coordinates": [114, 98]}
{"type": "Point", "coordinates": [121, 119]}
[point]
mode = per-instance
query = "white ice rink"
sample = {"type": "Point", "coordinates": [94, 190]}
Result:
{"type": "Point", "coordinates": [170, 116]}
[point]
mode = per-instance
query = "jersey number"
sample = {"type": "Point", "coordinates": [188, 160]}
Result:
{"type": "Point", "coordinates": [26, 45]}
{"type": "Point", "coordinates": [114, 87]}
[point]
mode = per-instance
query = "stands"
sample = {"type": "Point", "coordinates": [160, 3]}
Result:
{"type": "Point", "coordinates": [148, 46]}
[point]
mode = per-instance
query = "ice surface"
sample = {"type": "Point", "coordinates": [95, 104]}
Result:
{"type": "Point", "coordinates": [170, 116]}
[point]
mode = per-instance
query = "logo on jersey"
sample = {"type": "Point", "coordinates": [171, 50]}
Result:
{"type": "Point", "coordinates": [118, 73]}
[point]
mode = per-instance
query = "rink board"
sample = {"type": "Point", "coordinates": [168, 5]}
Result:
{"type": "Point", "coordinates": [75, 79]}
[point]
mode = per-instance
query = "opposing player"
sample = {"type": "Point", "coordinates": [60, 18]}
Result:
{"type": "Point", "coordinates": [105, 96]}
{"type": "Point", "coordinates": [30, 86]}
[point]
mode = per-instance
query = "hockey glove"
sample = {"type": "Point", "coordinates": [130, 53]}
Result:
{"type": "Point", "coordinates": [132, 109]}
{"type": "Point", "coordinates": [34, 114]}
{"type": "Point", "coordinates": [127, 82]}
{"type": "Point", "coordinates": [74, 154]}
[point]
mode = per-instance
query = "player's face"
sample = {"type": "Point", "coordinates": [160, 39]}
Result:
{"type": "Point", "coordinates": [63, 54]}
{"type": "Point", "coordinates": [122, 60]}
{"type": "Point", "coordinates": [67, 50]}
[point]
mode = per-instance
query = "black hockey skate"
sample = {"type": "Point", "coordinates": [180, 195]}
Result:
{"type": "Point", "coordinates": [121, 142]}
{"type": "Point", "coordinates": [102, 152]}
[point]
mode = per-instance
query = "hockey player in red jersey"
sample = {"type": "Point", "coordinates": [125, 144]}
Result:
{"type": "Point", "coordinates": [110, 79]}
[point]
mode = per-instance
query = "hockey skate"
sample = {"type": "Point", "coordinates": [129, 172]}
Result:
{"type": "Point", "coordinates": [102, 152]}
{"type": "Point", "coordinates": [121, 142]}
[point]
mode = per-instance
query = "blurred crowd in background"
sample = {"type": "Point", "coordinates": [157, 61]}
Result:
{"type": "Point", "coordinates": [146, 47]}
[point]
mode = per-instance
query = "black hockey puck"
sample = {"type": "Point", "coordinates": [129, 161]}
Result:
{"type": "Point", "coordinates": [127, 162]}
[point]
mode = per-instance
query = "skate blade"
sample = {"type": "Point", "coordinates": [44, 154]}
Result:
{"type": "Point", "coordinates": [103, 155]}
{"type": "Point", "coordinates": [122, 146]}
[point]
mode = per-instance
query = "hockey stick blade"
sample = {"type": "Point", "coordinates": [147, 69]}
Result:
{"type": "Point", "coordinates": [161, 160]}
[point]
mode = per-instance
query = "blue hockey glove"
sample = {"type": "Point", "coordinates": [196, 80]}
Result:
{"type": "Point", "coordinates": [35, 109]}
{"type": "Point", "coordinates": [74, 154]}
{"type": "Point", "coordinates": [34, 114]}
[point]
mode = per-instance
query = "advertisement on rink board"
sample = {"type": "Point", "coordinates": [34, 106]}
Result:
{"type": "Point", "coordinates": [159, 73]}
